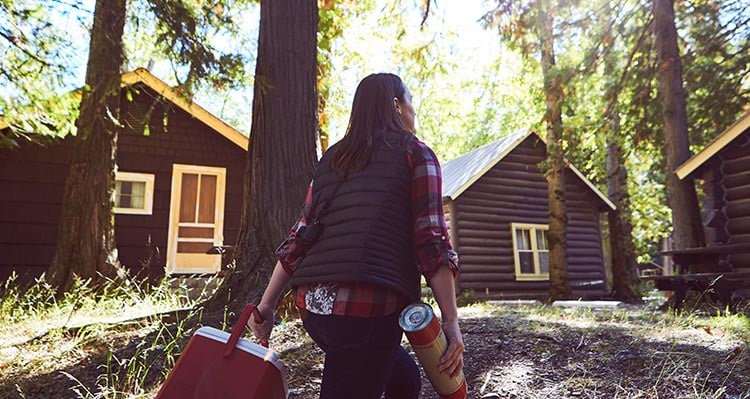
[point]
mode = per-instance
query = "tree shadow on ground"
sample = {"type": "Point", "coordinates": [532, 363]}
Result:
{"type": "Point", "coordinates": [519, 357]}
{"type": "Point", "coordinates": [513, 354]}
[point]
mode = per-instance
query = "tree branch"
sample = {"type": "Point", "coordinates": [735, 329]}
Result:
{"type": "Point", "coordinates": [626, 70]}
{"type": "Point", "coordinates": [13, 40]}
{"type": "Point", "coordinates": [426, 13]}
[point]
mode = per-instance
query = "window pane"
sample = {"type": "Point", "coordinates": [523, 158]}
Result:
{"type": "Point", "coordinates": [126, 187]}
{"type": "Point", "coordinates": [130, 194]}
{"type": "Point", "coordinates": [526, 259]}
{"type": "Point", "coordinates": [523, 239]}
{"type": "Point", "coordinates": [541, 239]}
{"type": "Point", "coordinates": [544, 262]}
{"type": "Point", "coordinates": [138, 196]}
{"type": "Point", "coordinates": [120, 201]}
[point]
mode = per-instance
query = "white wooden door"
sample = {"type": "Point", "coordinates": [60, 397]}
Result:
{"type": "Point", "coordinates": [196, 218]}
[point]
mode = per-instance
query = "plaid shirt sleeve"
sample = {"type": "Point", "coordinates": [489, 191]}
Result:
{"type": "Point", "coordinates": [289, 252]}
{"type": "Point", "coordinates": [431, 240]}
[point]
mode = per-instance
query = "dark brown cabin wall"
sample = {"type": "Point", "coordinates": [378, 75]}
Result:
{"type": "Point", "coordinates": [32, 177]}
{"type": "Point", "coordinates": [714, 203]}
{"type": "Point", "coordinates": [486, 211]}
{"type": "Point", "coordinates": [515, 191]}
{"type": "Point", "coordinates": [142, 239]}
{"type": "Point", "coordinates": [585, 256]}
{"type": "Point", "coordinates": [739, 208]}
{"type": "Point", "coordinates": [737, 192]}
{"type": "Point", "coordinates": [735, 181]}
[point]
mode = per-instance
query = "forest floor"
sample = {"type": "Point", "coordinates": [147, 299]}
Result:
{"type": "Point", "coordinates": [512, 351]}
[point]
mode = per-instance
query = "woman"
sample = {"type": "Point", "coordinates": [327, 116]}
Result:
{"type": "Point", "coordinates": [376, 200]}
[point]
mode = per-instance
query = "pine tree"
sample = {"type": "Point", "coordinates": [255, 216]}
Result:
{"type": "Point", "coordinates": [85, 244]}
{"type": "Point", "coordinates": [281, 157]}
{"type": "Point", "coordinates": [681, 195]}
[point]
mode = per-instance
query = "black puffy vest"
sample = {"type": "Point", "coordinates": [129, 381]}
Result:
{"type": "Point", "coordinates": [368, 229]}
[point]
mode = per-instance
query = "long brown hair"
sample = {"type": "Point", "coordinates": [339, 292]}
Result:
{"type": "Point", "coordinates": [372, 109]}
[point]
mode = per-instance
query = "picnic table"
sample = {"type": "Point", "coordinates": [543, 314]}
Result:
{"type": "Point", "coordinates": [715, 277]}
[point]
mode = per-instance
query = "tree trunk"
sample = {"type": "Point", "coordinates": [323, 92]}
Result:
{"type": "Point", "coordinates": [281, 157]}
{"type": "Point", "coordinates": [681, 196]}
{"type": "Point", "coordinates": [558, 219]}
{"type": "Point", "coordinates": [85, 242]}
{"type": "Point", "coordinates": [624, 268]}
{"type": "Point", "coordinates": [625, 280]}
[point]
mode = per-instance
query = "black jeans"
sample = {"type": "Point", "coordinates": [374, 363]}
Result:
{"type": "Point", "coordinates": [364, 358]}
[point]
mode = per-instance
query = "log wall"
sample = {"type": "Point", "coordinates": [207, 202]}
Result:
{"type": "Point", "coordinates": [729, 178]}
{"type": "Point", "coordinates": [515, 191]}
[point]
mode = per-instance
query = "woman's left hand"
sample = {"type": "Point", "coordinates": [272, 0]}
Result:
{"type": "Point", "coordinates": [452, 361]}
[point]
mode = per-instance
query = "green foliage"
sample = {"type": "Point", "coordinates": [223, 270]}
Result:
{"type": "Point", "coordinates": [189, 32]}
{"type": "Point", "coordinates": [206, 45]}
{"type": "Point", "coordinates": [716, 65]}
{"type": "Point", "coordinates": [38, 59]}
{"type": "Point", "coordinates": [462, 101]}
{"type": "Point", "coordinates": [716, 58]}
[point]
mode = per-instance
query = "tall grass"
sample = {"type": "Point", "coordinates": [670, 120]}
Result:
{"type": "Point", "coordinates": [43, 332]}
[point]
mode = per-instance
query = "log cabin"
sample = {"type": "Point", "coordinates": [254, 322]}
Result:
{"type": "Point", "coordinates": [723, 170]}
{"type": "Point", "coordinates": [495, 202]}
{"type": "Point", "coordinates": [179, 182]}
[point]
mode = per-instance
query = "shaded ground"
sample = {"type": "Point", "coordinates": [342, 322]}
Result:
{"type": "Point", "coordinates": [513, 352]}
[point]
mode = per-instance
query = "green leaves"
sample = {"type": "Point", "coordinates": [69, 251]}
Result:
{"type": "Point", "coordinates": [38, 59]}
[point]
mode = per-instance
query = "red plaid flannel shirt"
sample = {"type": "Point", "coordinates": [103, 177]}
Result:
{"type": "Point", "coordinates": [431, 245]}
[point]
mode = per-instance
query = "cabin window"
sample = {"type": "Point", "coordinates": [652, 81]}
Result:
{"type": "Point", "coordinates": [134, 193]}
{"type": "Point", "coordinates": [531, 251]}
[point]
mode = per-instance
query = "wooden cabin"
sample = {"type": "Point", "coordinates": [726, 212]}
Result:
{"type": "Point", "coordinates": [723, 169]}
{"type": "Point", "coordinates": [179, 184]}
{"type": "Point", "coordinates": [495, 201]}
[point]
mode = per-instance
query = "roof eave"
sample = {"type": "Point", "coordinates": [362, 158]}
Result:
{"type": "Point", "coordinates": [716, 145]}
{"type": "Point", "coordinates": [455, 194]}
{"type": "Point", "coordinates": [593, 188]}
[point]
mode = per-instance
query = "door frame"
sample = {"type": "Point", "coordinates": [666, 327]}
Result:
{"type": "Point", "coordinates": [174, 216]}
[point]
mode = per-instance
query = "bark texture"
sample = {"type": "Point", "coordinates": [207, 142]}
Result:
{"type": "Point", "coordinates": [281, 157]}
{"type": "Point", "coordinates": [624, 269]}
{"type": "Point", "coordinates": [681, 196]}
{"type": "Point", "coordinates": [85, 244]}
{"type": "Point", "coordinates": [559, 287]}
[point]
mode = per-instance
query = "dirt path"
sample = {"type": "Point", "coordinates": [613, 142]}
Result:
{"type": "Point", "coordinates": [511, 352]}
{"type": "Point", "coordinates": [515, 353]}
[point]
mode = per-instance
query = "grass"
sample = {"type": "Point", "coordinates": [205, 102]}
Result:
{"type": "Point", "coordinates": [117, 343]}
{"type": "Point", "coordinates": [48, 336]}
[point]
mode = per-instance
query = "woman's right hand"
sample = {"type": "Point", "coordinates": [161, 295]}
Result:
{"type": "Point", "coordinates": [262, 331]}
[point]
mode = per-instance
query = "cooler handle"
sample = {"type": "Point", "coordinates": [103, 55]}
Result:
{"type": "Point", "coordinates": [239, 328]}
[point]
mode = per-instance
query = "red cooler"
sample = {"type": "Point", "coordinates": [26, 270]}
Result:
{"type": "Point", "coordinates": [215, 364]}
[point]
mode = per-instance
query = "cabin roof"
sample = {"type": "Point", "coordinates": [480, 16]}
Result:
{"type": "Point", "coordinates": [461, 172]}
{"type": "Point", "coordinates": [716, 145]}
{"type": "Point", "coordinates": [142, 75]}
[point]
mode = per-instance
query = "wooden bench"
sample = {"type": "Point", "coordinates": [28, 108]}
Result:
{"type": "Point", "coordinates": [715, 277]}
